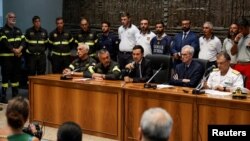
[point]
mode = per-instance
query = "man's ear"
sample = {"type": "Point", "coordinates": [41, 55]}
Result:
{"type": "Point", "coordinates": [139, 134]}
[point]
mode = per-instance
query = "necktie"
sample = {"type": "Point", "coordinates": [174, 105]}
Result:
{"type": "Point", "coordinates": [184, 36]}
{"type": "Point", "coordinates": [140, 70]}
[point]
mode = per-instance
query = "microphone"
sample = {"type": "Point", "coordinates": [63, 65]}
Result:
{"type": "Point", "coordinates": [197, 90]}
{"type": "Point", "coordinates": [133, 64]}
{"type": "Point", "coordinates": [147, 84]}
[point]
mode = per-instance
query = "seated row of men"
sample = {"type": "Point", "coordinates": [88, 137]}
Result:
{"type": "Point", "coordinates": [188, 73]}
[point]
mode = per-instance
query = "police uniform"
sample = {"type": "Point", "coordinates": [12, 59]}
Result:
{"type": "Point", "coordinates": [60, 45]}
{"type": "Point", "coordinates": [10, 62]}
{"type": "Point", "coordinates": [79, 65]}
{"type": "Point", "coordinates": [36, 44]}
{"type": "Point", "coordinates": [111, 72]}
{"type": "Point", "coordinates": [232, 79]}
{"type": "Point", "coordinates": [88, 37]}
{"type": "Point", "coordinates": [109, 42]}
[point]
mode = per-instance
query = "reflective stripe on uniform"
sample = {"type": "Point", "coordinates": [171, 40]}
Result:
{"type": "Point", "coordinates": [3, 37]}
{"type": "Point", "coordinates": [91, 70]}
{"type": "Point", "coordinates": [5, 85]}
{"type": "Point", "coordinates": [35, 41]}
{"type": "Point", "coordinates": [60, 43]}
{"type": "Point", "coordinates": [6, 54]}
{"type": "Point", "coordinates": [71, 66]}
{"type": "Point", "coordinates": [90, 43]}
{"type": "Point", "coordinates": [116, 68]}
{"type": "Point", "coordinates": [60, 54]}
{"type": "Point", "coordinates": [15, 84]}
{"type": "Point", "coordinates": [14, 39]}
{"type": "Point", "coordinates": [71, 40]}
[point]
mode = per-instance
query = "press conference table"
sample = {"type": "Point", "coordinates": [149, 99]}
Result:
{"type": "Point", "coordinates": [113, 109]}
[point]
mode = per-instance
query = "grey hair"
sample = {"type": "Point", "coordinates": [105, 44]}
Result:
{"type": "Point", "coordinates": [7, 15]}
{"type": "Point", "coordinates": [102, 51]}
{"type": "Point", "coordinates": [85, 46]}
{"type": "Point", "coordinates": [190, 49]}
{"type": "Point", "coordinates": [156, 124]}
{"type": "Point", "coordinates": [210, 25]}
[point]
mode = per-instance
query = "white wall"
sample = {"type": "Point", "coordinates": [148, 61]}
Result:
{"type": "Point", "coordinates": [48, 10]}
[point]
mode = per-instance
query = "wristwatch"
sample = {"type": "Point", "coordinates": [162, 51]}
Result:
{"type": "Point", "coordinates": [224, 89]}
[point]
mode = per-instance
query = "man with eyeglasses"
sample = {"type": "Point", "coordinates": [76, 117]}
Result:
{"type": "Point", "coordinates": [12, 41]}
{"type": "Point", "coordinates": [224, 78]}
{"type": "Point", "coordinates": [189, 72]}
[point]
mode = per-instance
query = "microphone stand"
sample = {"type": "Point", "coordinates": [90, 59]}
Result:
{"type": "Point", "coordinates": [148, 85]}
{"type": "Point", "coordinates": [197, 90]}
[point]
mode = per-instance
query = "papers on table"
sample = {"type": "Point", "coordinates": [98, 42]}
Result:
{"type": "Point", "coordinates": [161, 86]}
{"type": "Point", "coordinates": [80, 79]}
{"type": "Point", "coordinates": [217, 93]}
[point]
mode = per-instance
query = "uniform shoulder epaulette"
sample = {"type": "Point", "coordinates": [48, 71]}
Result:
{"type": "Point", "coordinates": [235, 72]}
{"type": "Point", "coordinates": [215, 69]}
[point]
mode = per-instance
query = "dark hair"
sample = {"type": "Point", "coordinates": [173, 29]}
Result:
{"type": "Point", "coordinates": [35, 18]}
{"type": "Point", "coordinates": [125, 14]}
{"type": "Point", "coordinates": [59, 18]}
{"type": "Point", "coordinates": [106, 22]}
{"type": "Point", "coordinates": [17, 112]}
{"type": "Point", "coordinates": [160, 22]}
{"type": "Point", "coordinates": [138, 47]}
{"type": "Point", "coordinates": [225, 54]}
{"type": "Point", "coordinates": [69, 131]}
{"type": "Point", "coordinates": [228, 32]}
{"type": "Point", "coordinates": [243, 22]}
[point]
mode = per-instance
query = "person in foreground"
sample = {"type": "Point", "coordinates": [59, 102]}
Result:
{"type": "Point", "coordinates": [69, 131]}
{"type": "Point", "coordinates": [139, 70]}
{"type": "Point", "coordinates": [17, 114]}
{"type": "Point", "coordinates": [106, 69]}
{"type": "Point", "coordinates": [156, 125]}
{"type": "Point", "coordinates": [189, 72]}
{"type": "Point", "coordinates": [224, 78]}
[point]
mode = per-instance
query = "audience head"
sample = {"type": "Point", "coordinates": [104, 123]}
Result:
{"type": "Point", "coordinates": [159, 28]}
{"type": "Point", "coordinates": [36, 22]}
{"type": "Point", "coordinates": [69, 131]}
{"type": "Point", "coordinates": [137, 53]}
{"type": "Point", "coordinates": [59, 23]}
{"type": "Point", "coordinates": [156, 125]}
{"type": "Point", "coordinates": [232, 31]}
{"type": "Point", "coordinates": [17, 112]}
{"type": "Point", "coordinates": [208, 29]}
{"type": "Point", "coordinates": [144, 25]}
{"type": "Point", "coordinates": [125, 19]}
{"type": "Point", "coordinates": [104, 57]}
{"type": "Point", "coordinates": [187, 53]}
{"type": "Point", "coordinates": [11, 19]}
{"type": "Point", "coordinates": [105, 27]}
{"type": "Point", "coordinates": [243, 25]}
{"type": "Point", "coordinates": [223, 61]}
{"type": "Point", "coordinates": [84, 24]}
{"type": "Point", "coordinates": [82, 50]}
{"type": "Point", "coordinates": [185, 24]}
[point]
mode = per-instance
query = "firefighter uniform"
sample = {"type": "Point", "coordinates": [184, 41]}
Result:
{"type": "Point", "coordinates": [89, 38]}
{"type": "Point", "coordinates": [60, 45]}
{"type": "Point", "coordinates": [36, 44]}
{"type": "Point", "coordinates": [79, 65]}
{"type": "Point", "coordinates": [112, 72]}
{"type": "Point", "coordinates": [12, 38]}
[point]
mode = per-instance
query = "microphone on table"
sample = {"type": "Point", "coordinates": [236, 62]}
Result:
{"type": "Point", "coordinates": [197, 90]}
{"type": "Point", "coordinates": [147, 84]}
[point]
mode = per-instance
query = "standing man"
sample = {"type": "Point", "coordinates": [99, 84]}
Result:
{"type": "Point", "coordinates": [10, 53]}
{"type": "Point", "coordinates": [160, 44]}
{"type": "Point", "coordinates": [156, 125]}
{"type": "Point", "coordinates": [126, 32]}
{"type": "Point", "coordinates": [105, 69]}
{"type": "Point", "coordinates": [60, 46]}
{"type": "Point", "coordinates": [210, 45]}
{"type": "Point", "coordinates": [241, 48]}
{"type": "Point", "coordinates": [145, 36]}
{"type": "Point", "coordinates": [36, 45]}
{"type": "Point", "coordinates": [108, 40]}
{"type": "Point", "coordinates": [189, 72]}
{"type": "Point", "coordinates": [87, 36]}
{"type": "Point", "coordinates": [186, 37]}
{"type": "Point", "coordinates": [139, 69]}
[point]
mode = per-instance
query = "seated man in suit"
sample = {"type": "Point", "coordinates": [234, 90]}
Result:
{"type": "Point", "coordinates": [139, 69]}
{"type": "Point", "coordinates": [105, 69]}
{"type": "Point", "coordinates": [80, 65]}
{"type": "Point", "coordinates": [224, 78]}
{"type": "Point", "coordinates": [189, 72]}
{"type": "Point", "coordinates": [156, 125]}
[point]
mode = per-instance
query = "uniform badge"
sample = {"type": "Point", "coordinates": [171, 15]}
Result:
{"type": "Point", "coordinates": [91, 35]}
{"type": "Point", "coordinates": [55, 35]}
{"type": "Point", "coordinates": [18, 31]}
{"type": "Point", "coordinates": [6, 31]}
{"type": "Point", "coordinates": [79, 35]}
{"type": "Point", "coordinates": [43, 34]}
{"type": "Point", "coordinates": [66, 34]}
{"type": "Point", "coordinates": [32, 33]}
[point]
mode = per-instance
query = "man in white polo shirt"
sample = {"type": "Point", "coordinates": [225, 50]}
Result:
{"type": "Point", "coordinates": [210, 45]}
{"type": "Point", "coordinates": [126, 32]}
{"type": "Point", "coordinates": [145, 36]}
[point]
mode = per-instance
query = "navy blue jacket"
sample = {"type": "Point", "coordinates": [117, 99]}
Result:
{"type": "Point", "coordinates": [194, 72]}
{"type": "Point", "coordinates": [191, 39]}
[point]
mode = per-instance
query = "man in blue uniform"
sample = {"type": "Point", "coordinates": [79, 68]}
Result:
{"type": "Point", "coordinates": [189, 72]}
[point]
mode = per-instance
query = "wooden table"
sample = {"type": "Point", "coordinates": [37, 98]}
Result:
{"type": "Point", "coordinates": [95, 106]}
{"type": "Point", "coordinates": [113, 109]}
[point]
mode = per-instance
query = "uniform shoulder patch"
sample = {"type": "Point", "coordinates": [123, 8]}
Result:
{"type": "Point", "coordinates": [236, 72]}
